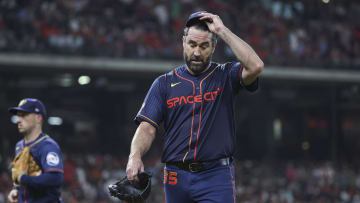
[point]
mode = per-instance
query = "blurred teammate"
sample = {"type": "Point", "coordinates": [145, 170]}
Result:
{"type": "Point", "coordinates": [46, 152]}
{"type": "Point", "coordinates": [196, 104]}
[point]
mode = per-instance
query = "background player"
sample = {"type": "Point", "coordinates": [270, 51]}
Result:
{"type": "Point", "coordinates": [196, 103]}
{"type": "Point", "coordinates": [45, 151]}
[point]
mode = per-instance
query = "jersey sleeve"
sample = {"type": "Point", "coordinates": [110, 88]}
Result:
{"type": "Point", "coordinates": [236, 70]}
{"type": "Point", "coordinates": [44, 180]}
{"type": "Point", "coordinates": [151, 110]}
{"type": "Point", "coordinates": [51, 159]}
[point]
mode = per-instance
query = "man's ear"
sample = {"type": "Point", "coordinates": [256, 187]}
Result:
{"type": "Point", "coordinates": [39, 117]}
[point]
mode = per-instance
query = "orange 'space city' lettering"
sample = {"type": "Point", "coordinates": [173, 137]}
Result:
{"type": "Point", "coordinates": [207, 96]}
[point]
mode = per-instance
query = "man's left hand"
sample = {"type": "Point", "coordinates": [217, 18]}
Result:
{"type": "Point", "coordinates": [213, 22]}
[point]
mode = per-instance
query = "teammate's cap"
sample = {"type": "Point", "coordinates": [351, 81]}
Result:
{"type": "Point", "coordinates": [30, 105]}
{"type": "Point", "coordinates": [193, 18]}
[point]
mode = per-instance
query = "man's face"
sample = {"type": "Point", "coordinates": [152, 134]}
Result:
{"type": "Point", "coordinates": [198, 50]}
{"type": "Point", "coordinates": [26, 122]}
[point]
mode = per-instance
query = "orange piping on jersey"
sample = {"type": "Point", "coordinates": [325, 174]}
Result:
{"type": "Point", "coordinates": [193, 116]}
{"type": "Point", "coordinates": [202, 104]}
{"type": "Point", "coordinates": [147, 118]}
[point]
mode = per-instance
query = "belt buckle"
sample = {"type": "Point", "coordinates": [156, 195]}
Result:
{"type": "Point", "coordinates": [195, 167]}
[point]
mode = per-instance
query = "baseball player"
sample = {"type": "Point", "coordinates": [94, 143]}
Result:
{"type": "Point", "coordinates": [195, 102]}
{"type": "Point", "coordinates": [44, 186]}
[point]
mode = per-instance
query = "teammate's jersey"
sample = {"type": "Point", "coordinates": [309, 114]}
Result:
{"type": "Point", "coordinates": [197, 111]}
{"type": "Point", "coordinates": [47, 154]}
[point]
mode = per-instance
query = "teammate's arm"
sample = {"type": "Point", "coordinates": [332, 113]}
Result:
{"type": "Point", "coordinates": [47, 179]}
{"type": "Point", "coordinates": [141, 143]}
{"type": "Point", "coordinates": [248, 58]}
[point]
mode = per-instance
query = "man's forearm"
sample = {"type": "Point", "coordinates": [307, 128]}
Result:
{"type": "Point", "coordinates": [143, 138]}
{"type": "Point", "coordinates": [243, 52]}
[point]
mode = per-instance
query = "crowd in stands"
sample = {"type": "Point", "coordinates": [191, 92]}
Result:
{"type": "Point", "coordinates": [315, 33]}
{"type": "Point", "coordinates": [88, 175]}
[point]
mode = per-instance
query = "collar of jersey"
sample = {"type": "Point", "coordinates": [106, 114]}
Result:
{"type": "Point", "coordinates": [185, 73]}
{"type": "Point", "coordinates": [35, 141]}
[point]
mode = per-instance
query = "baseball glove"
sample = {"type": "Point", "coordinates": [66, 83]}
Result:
{"type": "Point", "coordinates": [124, 190]}
{"type": "Point", "coordinates": [24, 163]}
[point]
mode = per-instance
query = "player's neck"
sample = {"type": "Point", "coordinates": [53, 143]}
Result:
{"type": "Point", "coordinates": [32, 135]}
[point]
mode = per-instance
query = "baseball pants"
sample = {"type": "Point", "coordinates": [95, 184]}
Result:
{"type": "Point", "coordinates": [216, 185]}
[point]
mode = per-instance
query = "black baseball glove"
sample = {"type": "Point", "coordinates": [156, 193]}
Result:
{"type": "Point", "coordinates": [124, 190]}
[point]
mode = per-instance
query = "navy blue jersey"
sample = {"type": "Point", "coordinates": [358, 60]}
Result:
{"type": "Point", "coordinates": [197, 111]}
{"type": "Point", "coordinates": [46, 187]}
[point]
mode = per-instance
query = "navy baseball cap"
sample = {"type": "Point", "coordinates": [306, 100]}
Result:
{"type": "Point", "coordinates": [193, 18]}
{"type": "Point", "coordinates": [30, 105]}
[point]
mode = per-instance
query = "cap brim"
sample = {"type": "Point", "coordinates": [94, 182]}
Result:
{"type": "Point", "coordinates": [14, 110]}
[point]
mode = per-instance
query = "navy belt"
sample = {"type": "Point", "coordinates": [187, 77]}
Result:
{"type": "Point", "coordinates": [200, 166]}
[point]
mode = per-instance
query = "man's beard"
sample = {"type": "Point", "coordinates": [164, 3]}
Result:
{"type": "Point", "coordinates": [26, 131]}
{"type": "Point", "coordinates": [197, 68]}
